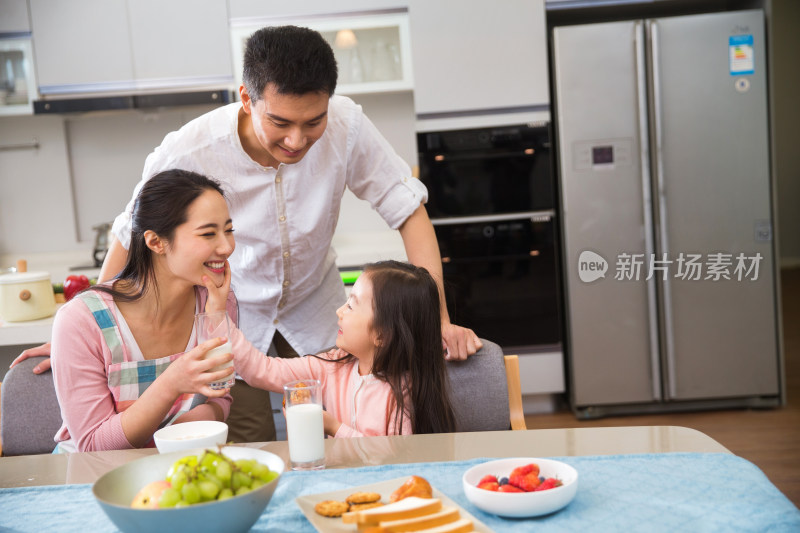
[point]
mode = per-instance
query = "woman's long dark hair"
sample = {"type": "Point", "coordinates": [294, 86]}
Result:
{"type": "Point", "coordinates": [407, 322]}
{"type": "Point", "coordinates": [161, 206]}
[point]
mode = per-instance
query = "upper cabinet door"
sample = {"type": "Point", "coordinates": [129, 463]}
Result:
{"type": "Point", "coordinates": [470, 57]}
{"type": "Point", "coordinates": [81, 44]}
{"type": "Point", "coordinates": [180, 42]}
{"type": "Point", "coordinates": [14, 17]}
{"type": "Point", "coordinates": [85, 46]}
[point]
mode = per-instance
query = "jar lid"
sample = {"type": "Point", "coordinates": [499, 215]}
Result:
{"type": "Point", "coordinates": [23, 277]}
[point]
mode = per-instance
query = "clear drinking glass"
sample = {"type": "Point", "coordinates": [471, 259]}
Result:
{"type": "Point", "coordinates": [304, 426]}
{"type": "Point", "coordinates": [211, 325]}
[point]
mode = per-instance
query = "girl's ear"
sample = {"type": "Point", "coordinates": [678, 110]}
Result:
{"type": "Point", "coordinates": [154, 242]}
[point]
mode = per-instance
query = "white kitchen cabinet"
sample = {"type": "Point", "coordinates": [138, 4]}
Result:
{"type": "Point", "coordinates": [14, 16]}
{"type": "Point", "coordinates": [372, 51]}
{"type": "Point", "coordinates": [127, 45]}
{"type": "Point", "coordinates": [472, 57]}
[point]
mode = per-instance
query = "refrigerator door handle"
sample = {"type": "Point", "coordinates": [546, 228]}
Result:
{"type": "Point", "coordinates": [661, 208]}
{"type": "Point", "coordinates": [644, 150]}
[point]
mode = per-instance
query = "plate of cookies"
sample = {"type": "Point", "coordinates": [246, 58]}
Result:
{"type": "Point", "coordinates": [402, 504]}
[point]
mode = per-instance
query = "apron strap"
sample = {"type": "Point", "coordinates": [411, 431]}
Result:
{"type": "Point", "coordinates": [106, 323]}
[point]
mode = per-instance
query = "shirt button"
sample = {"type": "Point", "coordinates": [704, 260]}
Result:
{"type": "Point", "coordinates": [277, 180]}
{"type": "Point", "coordinates": [282, 218]}
{"type": "Point", "coordinates": [275, 321]}
{"type": "Point", "coordinates": [286, 283]}
{"type": "Point", "coordinates": [285, 254]}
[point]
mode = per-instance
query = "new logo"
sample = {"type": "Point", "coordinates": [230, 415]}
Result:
{"type": "Point", "coordinates": [591, 266]}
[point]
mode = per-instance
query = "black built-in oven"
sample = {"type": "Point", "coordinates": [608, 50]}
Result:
{"type": "Point", "coordinates": [491, 200]}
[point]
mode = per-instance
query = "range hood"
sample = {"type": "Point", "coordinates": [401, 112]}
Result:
{"type": "Point", "coordinates": [130, 101]}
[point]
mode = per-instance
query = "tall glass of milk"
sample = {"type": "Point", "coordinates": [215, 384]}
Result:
{"type": "Point", "coordinates": [304, 427]}
{"type": "Point", "coordinates": [208, 326]}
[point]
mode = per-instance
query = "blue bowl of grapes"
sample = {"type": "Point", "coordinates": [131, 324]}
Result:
{"type": "Point", "coordinates": [212, 489]}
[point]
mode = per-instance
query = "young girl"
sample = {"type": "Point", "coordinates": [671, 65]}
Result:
{"type": "Point", "coordinates": [392, 378]}
{"type": "Point", "coordinates": [124, 353]}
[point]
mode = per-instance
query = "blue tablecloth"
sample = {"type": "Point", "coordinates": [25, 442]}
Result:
{"type": "Point", "coordinates": [648, 492]}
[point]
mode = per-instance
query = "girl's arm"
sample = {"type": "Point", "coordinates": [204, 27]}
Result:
{"type": "Point", "coordinates": [271, 373]}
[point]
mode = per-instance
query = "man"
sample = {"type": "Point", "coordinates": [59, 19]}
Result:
{"type": "Point", "coordinates": [285, 155]}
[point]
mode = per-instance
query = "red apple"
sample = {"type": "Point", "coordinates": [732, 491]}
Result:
{"type": "Point", "coordinates": [147, 498]}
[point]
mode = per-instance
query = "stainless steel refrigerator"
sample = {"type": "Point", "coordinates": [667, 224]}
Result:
{"type": "Point", "coordinates": [668, 248]}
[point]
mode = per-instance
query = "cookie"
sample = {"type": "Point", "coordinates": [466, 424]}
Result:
{"type": "Point", "coordinates": [362, 506]}
{"type": "Point", "coordinates": [363, 497]}
{"type": "Point", "coordinates": [331, 508]}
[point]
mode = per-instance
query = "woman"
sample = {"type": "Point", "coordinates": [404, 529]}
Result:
{"type": "Point", "coordinates": [124, 353]}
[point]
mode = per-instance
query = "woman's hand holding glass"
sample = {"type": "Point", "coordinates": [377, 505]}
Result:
{"type": "Point", "coordinates": [192, 373]}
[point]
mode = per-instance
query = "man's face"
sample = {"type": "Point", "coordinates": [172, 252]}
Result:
{"type": "Point", "coordinates": [286, 125]}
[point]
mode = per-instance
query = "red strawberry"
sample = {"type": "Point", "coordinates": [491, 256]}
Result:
{"type": "Point", "coordinates": [488, 479]}
{"type": "Point", "coordinates": [549, 483]}
{"type": "Point", "coordinates": [489, 485]}
{"type": "Point", "coordinates": [508, 487]}
{"type": "Point", "coordinates": [525, 477]}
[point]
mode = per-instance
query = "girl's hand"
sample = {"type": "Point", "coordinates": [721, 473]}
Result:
{"type": "Point", "coordinates": [218, 296]}
{"type": "Point", "coordinates": [192, 372]}
{"type": "Point", "coordinates": [330, 423]}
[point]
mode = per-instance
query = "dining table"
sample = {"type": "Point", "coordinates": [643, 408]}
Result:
{"type": "Point", "coordinates": [631, 478]}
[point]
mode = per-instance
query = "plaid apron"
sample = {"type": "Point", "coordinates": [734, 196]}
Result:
{"type": "Point", "coordinates": [127, 380]}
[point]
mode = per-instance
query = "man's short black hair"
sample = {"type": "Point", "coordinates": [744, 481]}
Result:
{"type": "Point", "coordinates": [296, 60]}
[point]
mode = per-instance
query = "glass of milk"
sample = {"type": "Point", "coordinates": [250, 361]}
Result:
{"type": "Point", "coordinates": [304, 427]}
{"type": "Point", "coordinates": [211, 325]}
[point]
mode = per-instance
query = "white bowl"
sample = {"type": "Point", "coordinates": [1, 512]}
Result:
{"type": "Point", "coordinates": [115, 490]}
{"type": "Point", "coordinates": [521, 504]}
{"type": "Point", "coordinates": [191, 435]}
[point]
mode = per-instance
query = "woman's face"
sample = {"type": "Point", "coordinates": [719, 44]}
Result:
{"type": "Point", "coordinates": [355, 321]}
{"type": "Point", "coordinates": [202, 244]}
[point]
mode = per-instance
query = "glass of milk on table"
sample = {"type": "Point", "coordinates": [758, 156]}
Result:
{"type": "Point", "coordinates": [304, 427]}
{"type": "Point", "coordinates": [209, 326]}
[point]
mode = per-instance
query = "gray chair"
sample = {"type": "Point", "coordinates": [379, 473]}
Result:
{"type": "Point", "coordinates": [29, 412]}
{"type": "Point", "coordinates": [485, 390]}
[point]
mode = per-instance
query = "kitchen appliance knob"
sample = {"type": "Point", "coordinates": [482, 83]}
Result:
{"type": "Point", "coordinates": [25, 295]}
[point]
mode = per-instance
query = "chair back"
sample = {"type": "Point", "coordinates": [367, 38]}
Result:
{"type": "Point", "coordinates": [479, 390]}
{"type": "Point", "coordinates": [29, 412]}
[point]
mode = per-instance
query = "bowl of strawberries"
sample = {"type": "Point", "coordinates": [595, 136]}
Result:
{"type": "Point", "coordinates": [520, 487]}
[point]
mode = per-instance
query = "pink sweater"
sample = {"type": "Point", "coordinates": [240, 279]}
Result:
{"type": "Point", "coordinates": [362, 404]}
{"type": "Point", "coordinates": [80, 358]}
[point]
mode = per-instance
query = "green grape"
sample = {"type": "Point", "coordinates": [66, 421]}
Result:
{"type": "Point", "coordinates": [178, 479]}
{"type": "Point", "coordinates": [243, 490]}
{"type": "Point", "coordinates": [246, 465]}
{"type": "Point", "coordinates": [189, 461]}
{"type": "Point", "coordinates": [208, 458]}
{"type": "Point", "coordinates": [224, 494]}
{"type": "Point", "coordinates": [224, 471]}
{"type": "Point", "coordinates": [169, 497]}
{"type": "Point", "coordinates": [191, 492]}
{"type": "Point", "coordinates": [182, 503]}
{"type": "Point", "coordinates": [256, 484]}
{"type": "Point", "coordinates": [208, 490]}
{"type": "Point", "coordinates": [240, 479]}
{"type": "Point", "coordinates": [259, 470]}
{"type": "Point", "coordinates": [214, 479]}
{"type": "Point", "coordinates": [268, 476]}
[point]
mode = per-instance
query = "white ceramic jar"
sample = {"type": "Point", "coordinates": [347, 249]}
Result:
{"type": "Point", "coordinates": [26, 296]}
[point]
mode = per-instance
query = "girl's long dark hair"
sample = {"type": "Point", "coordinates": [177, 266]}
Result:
{"type": "Point", "coordinates": [408, 324]}
{"type": "Point", "coordinates": [161, 206]}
